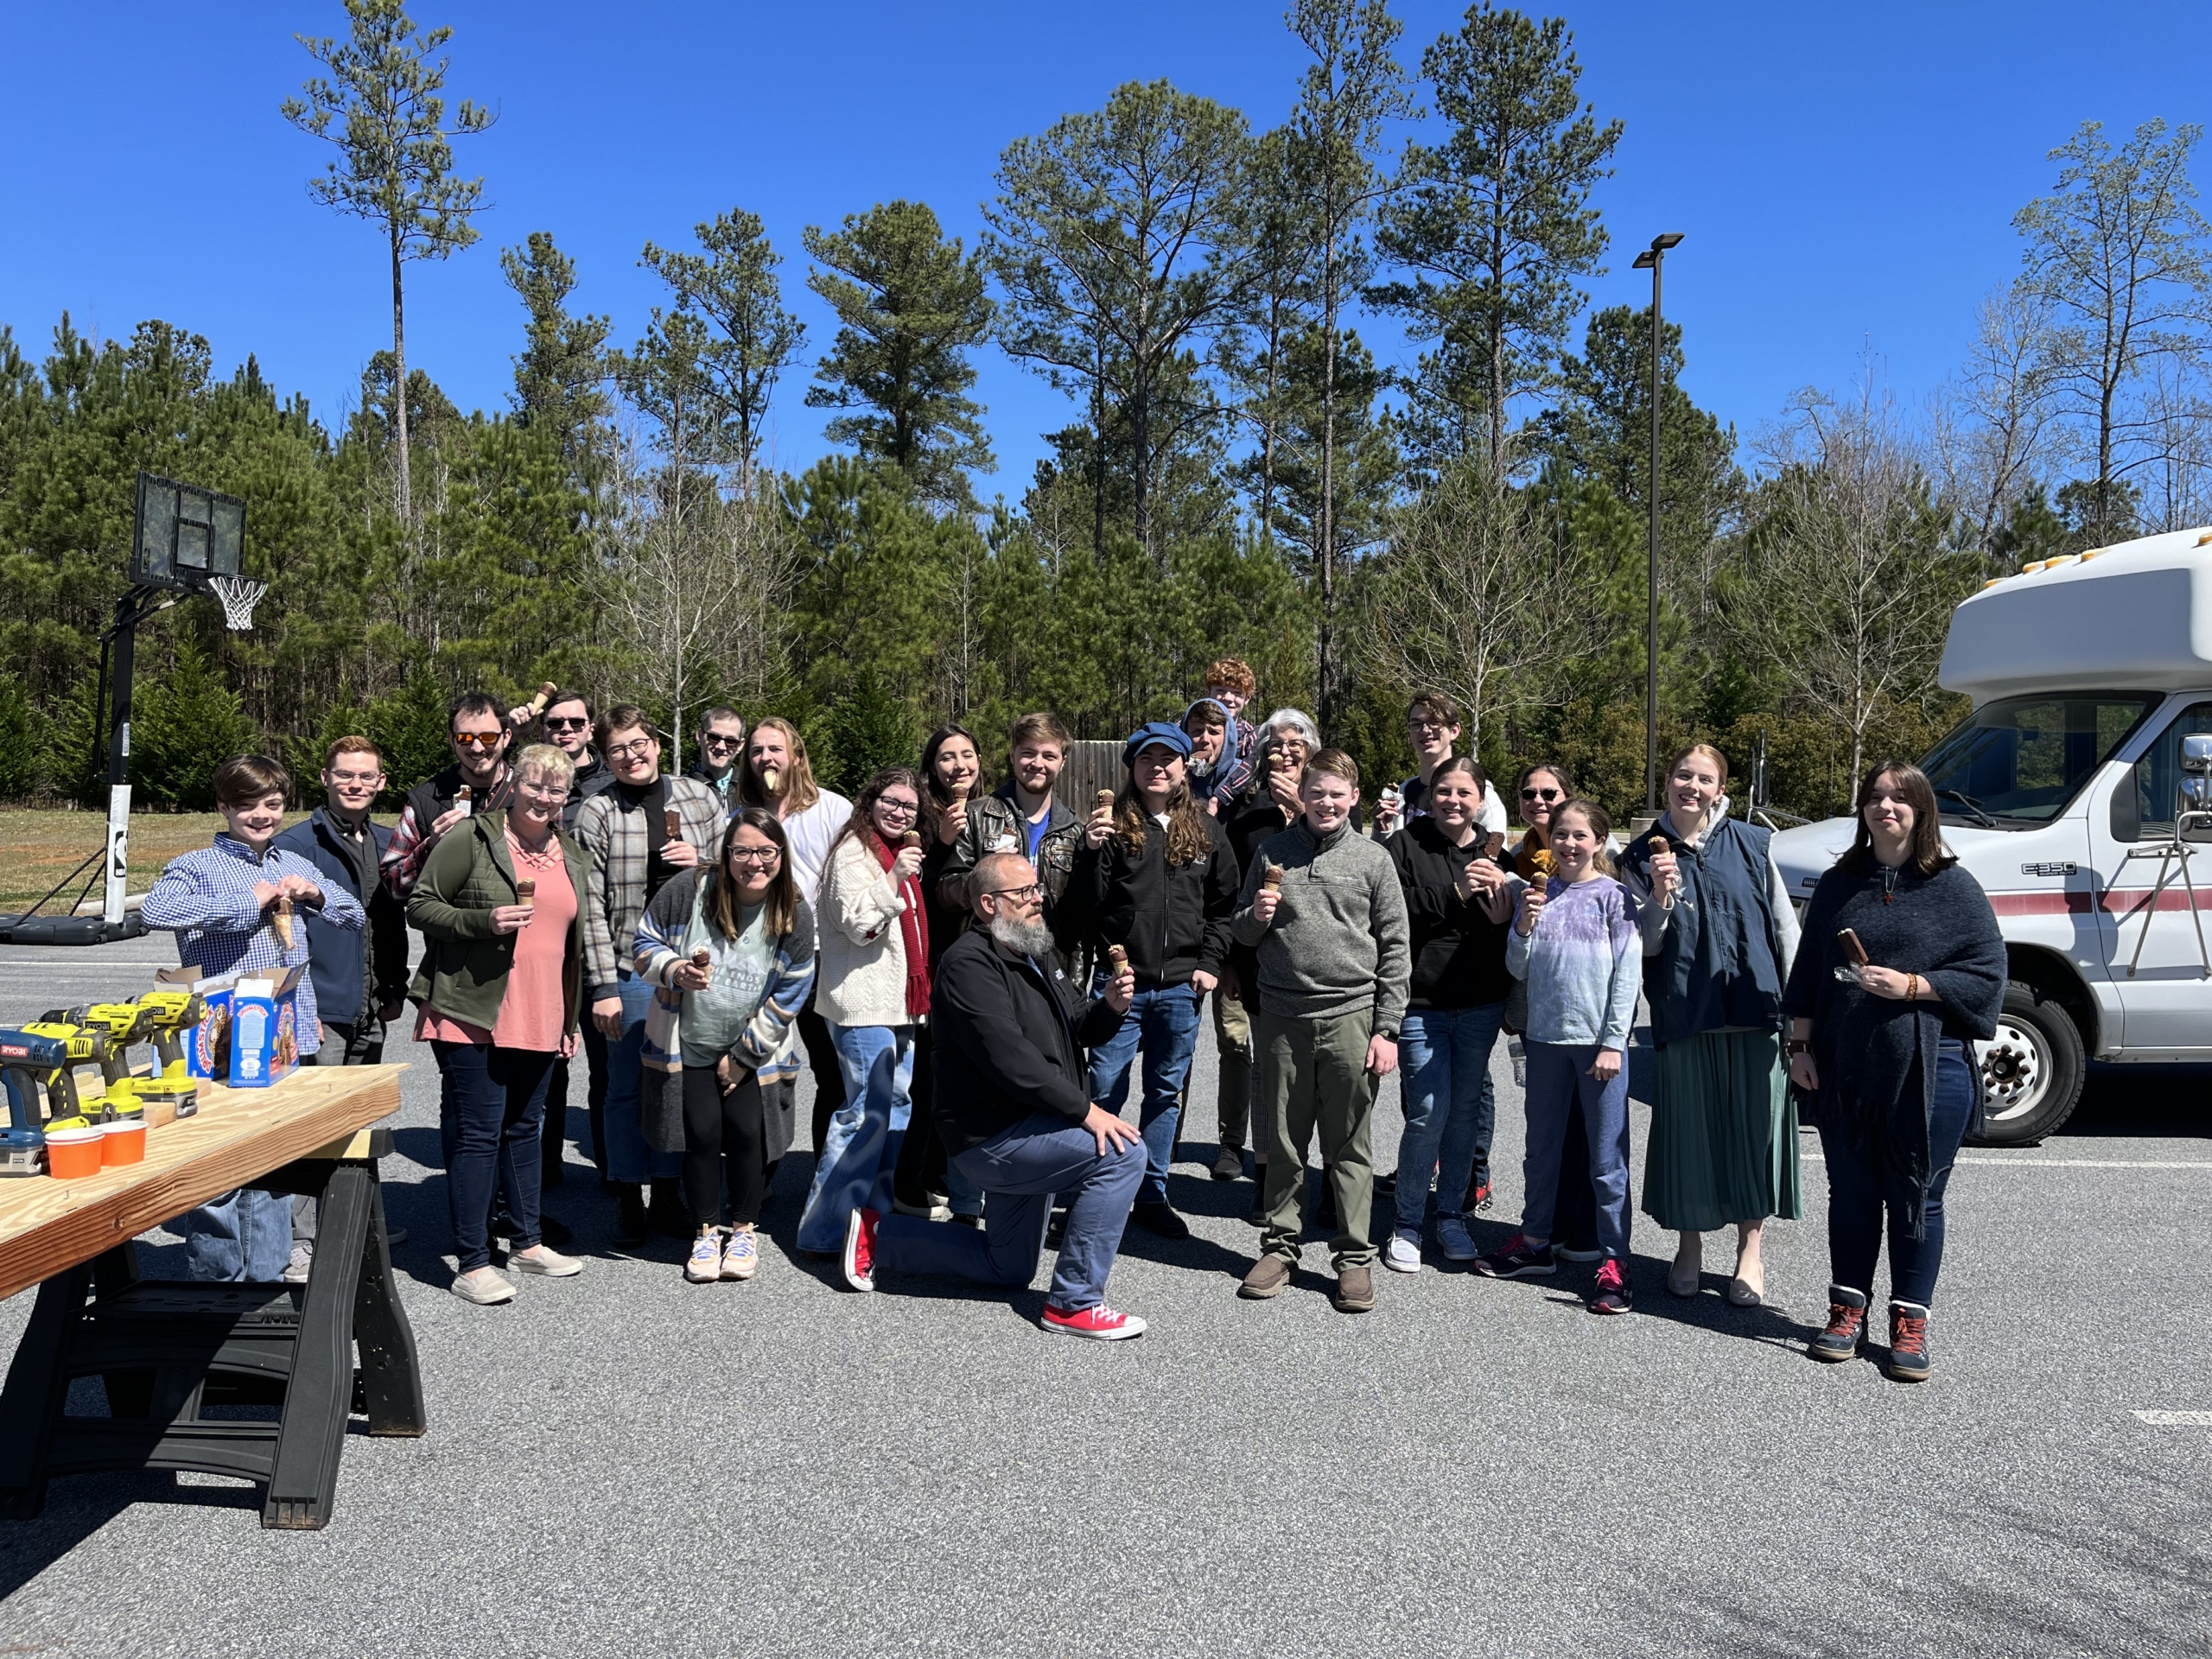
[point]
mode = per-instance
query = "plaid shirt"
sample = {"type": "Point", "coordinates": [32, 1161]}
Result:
{"type": "Point", "coordinates": [206, 897]}
{"type": "Point", "coordinates": [619, 841]}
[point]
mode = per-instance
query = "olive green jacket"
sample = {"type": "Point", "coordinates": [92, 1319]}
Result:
{"type": "Point", "coordinates": [464, 971]}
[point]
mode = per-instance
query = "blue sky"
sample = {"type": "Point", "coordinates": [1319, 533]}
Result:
{"type": "Point", "coordinates": [1845, 174]}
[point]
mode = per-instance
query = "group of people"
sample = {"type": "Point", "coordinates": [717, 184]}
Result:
{"type": "Point", "coordinates": [979, 978]}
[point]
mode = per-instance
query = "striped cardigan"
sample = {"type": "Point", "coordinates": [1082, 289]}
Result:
{"type": "Point", "coordinates": [770, 1046]}
{"type": "Point", "coordinates": [614, 837]}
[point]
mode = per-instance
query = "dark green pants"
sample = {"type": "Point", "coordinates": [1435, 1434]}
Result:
{"type": "Point", "coordinates": [1313, 1072]}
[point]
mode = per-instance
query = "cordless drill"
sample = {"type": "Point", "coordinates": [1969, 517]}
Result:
{"type": "Point", "coordinates": [125, 1024]}
{"type": "Point", "coordinates": [28, 1059]}
{"type": "Point", "coordinates": [175, 1017]}
{"type": "Point", "coordinates": [82, 1045]}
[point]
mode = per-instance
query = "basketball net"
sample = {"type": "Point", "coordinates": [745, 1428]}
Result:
{"type": "Point", "coordinates": [240, 595]}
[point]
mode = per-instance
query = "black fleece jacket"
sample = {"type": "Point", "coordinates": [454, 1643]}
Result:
{"type": "Point", "coordinates": [1174, 918]}
{"type": "Point", "coordinates": [1006, 1036]}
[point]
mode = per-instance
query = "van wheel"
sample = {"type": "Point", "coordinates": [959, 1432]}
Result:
{"type": "Point", "coordinates": [2031, 1070]}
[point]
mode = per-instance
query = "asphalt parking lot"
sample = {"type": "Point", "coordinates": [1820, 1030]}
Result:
{"type": "Point", "coordinates": [624, 1462]}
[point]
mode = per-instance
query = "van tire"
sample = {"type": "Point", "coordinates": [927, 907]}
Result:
{"type": "Point", "coordinates": [2032, 1070]}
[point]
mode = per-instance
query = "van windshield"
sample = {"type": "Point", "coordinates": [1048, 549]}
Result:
{"type": "Point", "coordinates": [2020, 760]}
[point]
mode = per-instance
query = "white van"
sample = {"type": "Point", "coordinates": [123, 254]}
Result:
{"type": "Point", "coordinates": [2062, 794]}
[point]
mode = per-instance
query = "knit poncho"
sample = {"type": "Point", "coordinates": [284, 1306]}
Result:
{"type": "Point", "coordinates": [1939, 926]}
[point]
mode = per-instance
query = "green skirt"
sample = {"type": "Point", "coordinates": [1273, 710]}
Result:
{"type": "Point", "coordinates": [1724, 1134]}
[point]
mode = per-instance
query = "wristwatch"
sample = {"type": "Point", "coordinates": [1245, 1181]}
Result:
{"type": "Point", "coordinates": [1387, 1036]}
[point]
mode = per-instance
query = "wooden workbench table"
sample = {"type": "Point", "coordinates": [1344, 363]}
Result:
{"type": "Point", "coordinates": [165, 1349]}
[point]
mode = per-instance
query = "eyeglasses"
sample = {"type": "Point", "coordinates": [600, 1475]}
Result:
{"type": "Point", "coordinates": [568, 723]}
{"type": "Point", "coordinates": [1427, 725]}
{"type": "Point", "coordinates": [716, 740]}
{"type": "Point", "coordinates": [637, 748]}
{"type": "Point", "coordinates": [479, 740]}
{"type": "Point", "coordinates": [1017, 895]}
{"type": "Point", "coordinates": [897, 809]}
{"type": "Point", "coordinates": [1539, 794]}
{"type": "Point", "coordinates": [764, 857]}
{"type": "Point", "coordinates": [544, 791]}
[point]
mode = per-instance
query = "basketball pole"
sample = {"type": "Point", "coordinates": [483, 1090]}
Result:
{"type": "Point", "coordinates": [134, 607]}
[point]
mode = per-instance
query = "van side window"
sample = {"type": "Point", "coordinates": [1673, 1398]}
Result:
{"type": "Point", "coordinates": [2158, 778]}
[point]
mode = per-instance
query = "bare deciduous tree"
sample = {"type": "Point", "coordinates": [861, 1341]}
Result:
{"type": "Point", "coordinates": [692, 583]}
{"type": "Point", "coordinates": [1995, 432]}
{"type": "Point", "coordinates": [1476, 601]}
{"type": "Point", "coordinates": [1850, 577]}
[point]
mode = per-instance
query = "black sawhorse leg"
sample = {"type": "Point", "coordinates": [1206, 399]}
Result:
{"type": "Point", "coordinates": [160, 1345]}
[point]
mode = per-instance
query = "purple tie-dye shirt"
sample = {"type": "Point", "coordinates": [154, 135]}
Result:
{"type": "Point", "coordinates": [1584, 965]}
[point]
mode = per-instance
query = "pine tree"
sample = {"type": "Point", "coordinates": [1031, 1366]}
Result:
{"type": "Point", "coordinates": [561, 374]}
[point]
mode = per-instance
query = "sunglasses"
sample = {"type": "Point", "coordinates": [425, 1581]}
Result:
{"type": "Point", "coordinates": [568, 723]}
{"type": "Point", "coordinates": [1539, 794]}
{"type": "Point", "coordinates": [477, 740]}
{"type": "Point", "coordinates": [714, 741]}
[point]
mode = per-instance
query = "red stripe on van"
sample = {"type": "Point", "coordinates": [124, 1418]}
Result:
{"type": "Point", "coordinates": [2118, 901]}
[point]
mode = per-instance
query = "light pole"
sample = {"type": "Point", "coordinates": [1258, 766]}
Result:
{"type": "Point", "coordinates": [1649, 260]}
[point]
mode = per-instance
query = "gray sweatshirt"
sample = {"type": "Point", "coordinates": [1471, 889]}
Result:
{"type": "Point", "coordinates": [1340, 942]}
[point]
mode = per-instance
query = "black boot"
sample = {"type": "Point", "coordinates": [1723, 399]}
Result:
{"type": "Point", "coordinates": [667, 1214]}
{"type": "Point", "coordinates": [629, 1213]}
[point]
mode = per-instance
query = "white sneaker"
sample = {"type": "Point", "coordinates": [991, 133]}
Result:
{"type": "Point", "coordinates": [295, 1270]}
{"type": "Point", "coordinates": [545, 1262]}
{"type": "Point", "coordinates": [484, 1286]}
{"type": "Point", "coordinates": [706, 1263]}
{"type": "Point", "coordinates": [1402, 1253]}
{"type": "Point", "coordinates": [1455, 1241]}
{"type": "Point", "coordinates": [741, 1255]}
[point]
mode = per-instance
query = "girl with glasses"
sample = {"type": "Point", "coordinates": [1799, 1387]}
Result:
{"type": "Point", "coordinates": [873, 992]}
{"type": "Point", "coordinates": [736, 1019]}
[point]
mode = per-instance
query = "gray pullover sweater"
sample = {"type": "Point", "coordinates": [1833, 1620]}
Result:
{"type": "Point", "coordinates": [1340, 942]}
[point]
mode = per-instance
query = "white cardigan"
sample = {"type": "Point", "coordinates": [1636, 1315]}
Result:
{"type": "Point", "coordinates": [862, 961]}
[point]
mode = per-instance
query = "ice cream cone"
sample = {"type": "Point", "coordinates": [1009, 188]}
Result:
{"type": "Point", "coordinates": [672, 822]}
{"type": "Point", "coordinates": [912, 838]}
{"type": "Point", "coordinates": [281, 920]}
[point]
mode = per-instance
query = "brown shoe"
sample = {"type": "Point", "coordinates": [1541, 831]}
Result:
{"type": "Point", "coordinates": [1355, 1290]}
{"type": "Point", "coordinates": [1267, 1277]}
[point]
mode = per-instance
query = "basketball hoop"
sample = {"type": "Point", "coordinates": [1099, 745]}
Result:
{"type": "Point", "coordinates": [240, 595]}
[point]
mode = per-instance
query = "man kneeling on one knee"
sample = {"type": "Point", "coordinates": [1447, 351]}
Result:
{"type": "Point", "coordinates": [1014, 1108]}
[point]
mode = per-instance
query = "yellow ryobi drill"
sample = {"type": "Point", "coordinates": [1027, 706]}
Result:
{"type": "Point", "coordinates": [126, 1024]}
{"type": "Point", "coordinates": [176, 1017]}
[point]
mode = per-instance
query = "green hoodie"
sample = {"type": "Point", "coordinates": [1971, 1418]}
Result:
{"type": "Point", "coordinates": [1340, 942]}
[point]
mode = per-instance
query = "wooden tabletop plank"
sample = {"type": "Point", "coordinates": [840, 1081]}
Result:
{"type": "Point", "coordinates": [46, 1226]}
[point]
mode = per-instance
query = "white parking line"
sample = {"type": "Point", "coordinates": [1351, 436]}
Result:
{"type": "Point", "coordinates": [2067, 1163]}
{"type": "Point", "coordinates": [2176, 1419]}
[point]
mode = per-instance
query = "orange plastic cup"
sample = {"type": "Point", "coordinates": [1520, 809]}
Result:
{"type": "Point", "coordinates": [124, 1142]}
{"type": "Point", "coordinates": [74, 1153]}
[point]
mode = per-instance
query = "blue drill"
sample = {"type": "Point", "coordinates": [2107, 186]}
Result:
{"type": "Point", "coordinates": [26, 1061]}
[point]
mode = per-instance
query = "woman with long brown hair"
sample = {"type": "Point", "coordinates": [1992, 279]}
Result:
{"type": "Point", "coordinates": [1902, 966]}
{"type": "Point", "coordinates": [1156, 883]}
{"type": "Point", "coordinates": [925, 1184]}
{"type": "Point", "coordinates": [874, 990]}
{"type": "Point", "coordinates": [732, 949]}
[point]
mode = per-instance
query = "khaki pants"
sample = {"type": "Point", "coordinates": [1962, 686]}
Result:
{"type": "Point", "coordinates": [1232, 1038]}
{"type": "Point", "coordinates": [1313, 1072]}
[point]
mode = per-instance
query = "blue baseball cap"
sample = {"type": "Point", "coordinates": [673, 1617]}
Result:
{"type": "Point", "coordinates": [1166, 733]}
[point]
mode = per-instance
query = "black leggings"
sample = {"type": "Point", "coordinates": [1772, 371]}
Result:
{"type": "Point", "coordinates": [719, 1127]}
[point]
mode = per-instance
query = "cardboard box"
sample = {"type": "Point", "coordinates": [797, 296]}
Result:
{"type": "Point", "coordinates": [248, 1037]}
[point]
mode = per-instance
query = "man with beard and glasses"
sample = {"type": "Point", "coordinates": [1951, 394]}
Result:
{"type": "Point", "coordinates": [1013, 1106]}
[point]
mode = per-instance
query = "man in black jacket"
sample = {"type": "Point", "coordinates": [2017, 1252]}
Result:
{"type": "Point", "coordinates": [1013, 1106]}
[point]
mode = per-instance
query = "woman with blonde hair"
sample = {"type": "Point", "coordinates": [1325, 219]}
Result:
{"type": "Point", "coordinates": [1719, 935]}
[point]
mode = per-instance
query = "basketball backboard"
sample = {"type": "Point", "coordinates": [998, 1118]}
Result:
{"type": "Point", "coordinates": [185, 535]}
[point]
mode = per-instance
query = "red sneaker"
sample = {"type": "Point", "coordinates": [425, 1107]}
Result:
{"type": "Point", "coordinates": [1611, 1294]}
{"type": "Point", "coordinates": [860, 1249]}
{"type": "Point", "coordinates": [1100, 1323]}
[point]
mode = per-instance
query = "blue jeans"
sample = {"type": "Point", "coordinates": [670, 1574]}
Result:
{"type": "Point", "coordinates": [242, 1237]}
{"type": "Point", "coordinates": [859, 1155]}
{"type": "Point", "coordinates": [1861, 1185]}
{"type": "Point", "coordinates": [491, 1109]}
{"type": "Point", "coordinates": [628, 1158]}
{"type": "Point", "coordinates": [1450, 1112]}
{"type": "Point", "coordinates": [1020, 1171]}
{"type": "Point", "coordinates": [1558, 1076]}
{"type": "Point", "coordinates": [1161, 1024]}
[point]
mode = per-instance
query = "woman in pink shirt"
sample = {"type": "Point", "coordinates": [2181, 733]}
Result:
{"type": "Point", "coordinates": [500, 905]}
